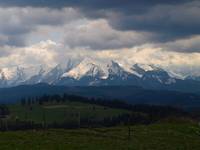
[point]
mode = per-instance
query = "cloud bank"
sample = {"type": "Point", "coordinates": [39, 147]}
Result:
{"type": "Point", "coordinates": [164, 33]}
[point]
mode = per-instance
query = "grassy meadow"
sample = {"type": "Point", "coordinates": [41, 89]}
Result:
{"type": "Point", "coordinates": [161, 134]}
{"type": "Point", "coordinates": [62, 112]}
{"type": "Point", "coordinates": [173, 136]}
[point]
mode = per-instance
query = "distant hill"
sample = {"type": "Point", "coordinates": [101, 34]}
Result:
{"type": "Point", "coordinates": [131, 94]}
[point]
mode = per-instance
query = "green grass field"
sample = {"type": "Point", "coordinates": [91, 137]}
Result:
{"type": "Point", "coordinates": [163, 135]}
{"type": "Point", "coordinates": [62, 112]}
{"type": "Point", "coordinates": [152, 137]}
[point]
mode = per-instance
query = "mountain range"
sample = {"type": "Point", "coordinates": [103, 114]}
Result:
{"type": "Point", "coordinates": [90, 72]}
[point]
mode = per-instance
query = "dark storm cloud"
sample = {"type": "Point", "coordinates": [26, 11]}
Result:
{"type": "Point", "coordinates": [92, 4]}
{"type": "Point", "coordinates": [169, 20]}
{"type": "Point", "coordinates": [16, 23]}
{"type": "Point", "coordinates": [95, 8]}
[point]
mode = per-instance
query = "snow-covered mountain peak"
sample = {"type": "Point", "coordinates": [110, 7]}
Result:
{"type": "Point", "coordinates": [115, 69]}
{"type": "Point", "coordinates": [87, 67]}
{"type": "Point", "coordinates": [13, 73]}
{"type": "Point", "coordinates": [144, 67]}
{"type": "Point", "coordinates": [137, 70]}
{"type": "Point", "coordinates": [140, 69]}
{"type": "Point", "coordinates": [16, 75]}
{"type": "Point", "coordinates": [175, 75]}
{"type": "Point", "coordinates": [6, 74]}
{"type": "Point", "coordinates": [88, 71]}
{"type": "Point", "coordinates": [67, 65]}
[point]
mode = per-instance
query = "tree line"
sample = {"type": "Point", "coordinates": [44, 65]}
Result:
{"type": "Point", "coordinates": [138, 114]}
{"type": "Point", "coordinates": [156, 111]}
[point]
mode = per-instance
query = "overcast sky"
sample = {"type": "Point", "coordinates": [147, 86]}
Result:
{"type": "Point", "coordinates": [165, 33]}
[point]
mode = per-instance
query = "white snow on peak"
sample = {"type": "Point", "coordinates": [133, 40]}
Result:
{"type": "Point", "coordinates": [68, 64]}
{"type": "Point", "coordinates": [115, 68]}
{"type": "Point", "coordinates": [139, 69]}
{"type": "Point", "coordinates": [87, 67]}
{"type": "Point", "coordinates": [145, 67]}
{"type": "Point", "coordinates": [6, 74]}
{"type": "Point", "coordinates": [16, 75]}
{"type": "Point", "coordinates": [175, 75]}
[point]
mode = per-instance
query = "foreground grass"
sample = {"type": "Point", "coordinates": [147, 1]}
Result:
{"type": "Point", "coordinates": [153, 137]}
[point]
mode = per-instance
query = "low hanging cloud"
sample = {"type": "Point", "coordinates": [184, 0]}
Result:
{"type": "Point", "coordinates": [188, 45]}
{"type": "Point", "coordinates": [32, 55]}
{"type": "Point", "coordinates": [55, 53]}
{"type": "Point", "coordinates": [180, 63]}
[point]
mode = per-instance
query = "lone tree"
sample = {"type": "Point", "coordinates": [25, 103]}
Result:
{"type": "Point", "coordinates": [4, 111]}
{"type": "Point", "coordinates": [23, 101]}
